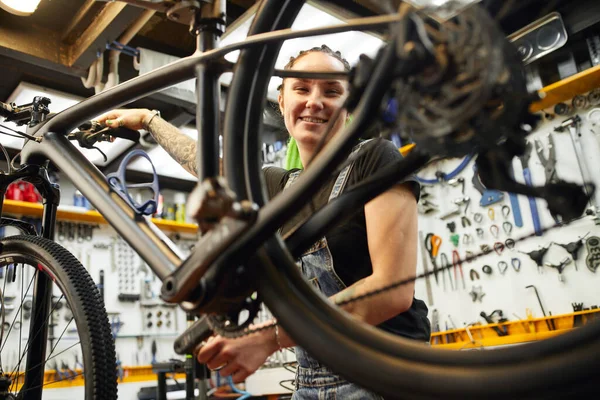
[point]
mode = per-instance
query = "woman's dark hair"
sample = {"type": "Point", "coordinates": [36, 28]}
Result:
{"type": "Point", "coordinates": [323, 49]}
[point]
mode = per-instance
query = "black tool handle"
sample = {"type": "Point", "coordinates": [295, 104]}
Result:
{"type": "Point", "coordinates": [125, 133]}
{"type": "Point", "coordinates": [192, 336]}
{"type": "Point", "coordinates": [101, 284]}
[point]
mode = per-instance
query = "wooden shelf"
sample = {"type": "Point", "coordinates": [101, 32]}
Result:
{"type": "Point", "coordinates": [130, 374]}
{"type": "Point", "coordinates": [16, 207]}
{"type": "Point", "coordinates": [568, 88]}
{"type": "Point", "coordinates": [523, 331]}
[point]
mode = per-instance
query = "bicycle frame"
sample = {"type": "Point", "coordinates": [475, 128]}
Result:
{"type": "Point", "coordinates": [155, 248]}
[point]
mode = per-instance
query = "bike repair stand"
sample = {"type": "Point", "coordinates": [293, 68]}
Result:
{"type": "Point", "coordinates": [175, 367]}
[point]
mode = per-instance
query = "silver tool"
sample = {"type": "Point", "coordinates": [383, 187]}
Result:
{"type": "Point", "coordinates": [426, 270]}
{"type": "Point", "coordinates": [573, 125]}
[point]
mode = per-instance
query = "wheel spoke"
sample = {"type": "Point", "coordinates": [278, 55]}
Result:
{"type": "Point", "coordinates": [21, 313]}
{"type": "Point", "coordinates": [60, 337]}
{"type": "Point", "coordinates": [18, 310]}
{"type": "Point", "coordinates": [36, 333]}
{"type": "Point", "coordinates": [16, 373]}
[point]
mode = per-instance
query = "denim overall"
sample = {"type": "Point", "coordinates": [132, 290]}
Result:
{"type": "Point", "coordinates": [313, 379]}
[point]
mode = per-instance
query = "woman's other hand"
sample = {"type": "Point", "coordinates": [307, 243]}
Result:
{"type": "Point", "coordinates": [136, 118]}
{"type": "Point", "coordinates": [239, 357]}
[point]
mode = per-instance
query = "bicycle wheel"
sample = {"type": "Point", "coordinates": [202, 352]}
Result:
{"type": "Point", "coordinates": [390, 365]}
{"type": "Point", "coordinates": [58, 322]}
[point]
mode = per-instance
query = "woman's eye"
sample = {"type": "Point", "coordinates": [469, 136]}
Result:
{"type": "Point", "coordinates": [301, 89]}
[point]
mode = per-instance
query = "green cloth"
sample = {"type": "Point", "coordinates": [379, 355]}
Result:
{"type": "Point", "coordinates": [292, 156]}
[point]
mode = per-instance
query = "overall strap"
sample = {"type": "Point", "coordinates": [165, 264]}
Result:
{"type": "Point", "coordinates": [342, 178]}
{"type": "Point", "coordinates": [292, 178]}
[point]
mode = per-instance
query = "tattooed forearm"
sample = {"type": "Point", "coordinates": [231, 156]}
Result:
{"type": "Point", "coordinates": [179, 146]}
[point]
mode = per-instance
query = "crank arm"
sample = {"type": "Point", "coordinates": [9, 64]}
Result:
{"type": "Point", "coordinates": [187, 342]}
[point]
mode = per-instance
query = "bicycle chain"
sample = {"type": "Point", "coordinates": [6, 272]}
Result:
{"type": "Point", "coordinates": [218, 327]}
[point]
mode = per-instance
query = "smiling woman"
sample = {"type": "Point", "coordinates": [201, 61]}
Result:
{"type": "Point", "coordinates": [374, 246]}
{"type": "Point", "coordinates": [308, 105]}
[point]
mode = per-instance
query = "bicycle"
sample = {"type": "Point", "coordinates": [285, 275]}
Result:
{"type": "Point", "coordinates": [225, 269]}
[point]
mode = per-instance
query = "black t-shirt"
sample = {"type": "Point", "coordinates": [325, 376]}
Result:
{"type": "Point", "coordinates": [352, 262]}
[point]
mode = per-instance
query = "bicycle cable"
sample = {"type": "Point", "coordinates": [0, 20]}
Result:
{"type": "Point", "coordinates": [8, 163]}
{"type": "Point", "coordinates": [22, 134]}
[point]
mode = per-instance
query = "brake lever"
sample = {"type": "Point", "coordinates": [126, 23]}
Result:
{"type": "Point", "coordinates": [87, 139]}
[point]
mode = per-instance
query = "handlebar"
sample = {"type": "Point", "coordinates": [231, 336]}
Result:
{"type": "Point", "coordinates": [89, 133]}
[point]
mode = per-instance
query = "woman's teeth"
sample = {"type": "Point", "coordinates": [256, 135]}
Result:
{"type": "Point", "coordinates": [313, 120]}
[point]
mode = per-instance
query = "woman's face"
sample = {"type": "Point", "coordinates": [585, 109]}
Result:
{"type": "Point", "coordinates": [307, 105]}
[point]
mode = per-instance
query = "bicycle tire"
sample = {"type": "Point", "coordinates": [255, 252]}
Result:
{"type": "Point", "coordinates": [392, 366]}
{"type": "Point", "coordinates": [85, 303]}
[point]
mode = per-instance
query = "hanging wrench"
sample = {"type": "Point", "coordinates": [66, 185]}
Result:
{"type": "Point", "coordinates": [573, 125]}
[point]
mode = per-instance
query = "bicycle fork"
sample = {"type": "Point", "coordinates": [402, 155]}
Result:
{"type": "Point", "coordinates": [42, 290]}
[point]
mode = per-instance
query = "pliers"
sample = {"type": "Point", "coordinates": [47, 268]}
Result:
{"type": "Point", "coordinates": [550, 162]}
{"type": "Point", "coordinates": [432, 245]}
{"type": "Point", "coordinates": [457, 262]}
{"type": "Point", "coordinates": [446, 269]}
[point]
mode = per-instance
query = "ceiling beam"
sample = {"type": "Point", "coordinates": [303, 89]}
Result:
{"type": "Point", "coordinates": [243, 3]}
{"type": "Point", "coordinates": [376, 6]}
{"type": "Point", "coordinates": [94, 33]}
{"type": "Point", "coordinates": [40, 43]}
{"type": "Point", "coordinates": [73, 28]}
{"type": "Point", "coordinates": [44, 47]}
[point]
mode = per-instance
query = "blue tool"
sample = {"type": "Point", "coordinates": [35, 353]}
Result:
{"type": "Point", "coordinates": [120, 371]}
{"type": "Point", "coordinates": [116, 325]}
{"type": "Point", "coordinates": [443, 177]}
{"type": "Point", "coordinates": [537, 226]}
{"type": "Point", "coordinates": [514, 201]}
{"type": "Point", "coordinates": [59, 375]}
{"type": "Point", "coordinates": [488, 196]}
{"type": "Point", "coordinates": [78, 365]}
{"type": "Point", "coordinates": [119, 185]}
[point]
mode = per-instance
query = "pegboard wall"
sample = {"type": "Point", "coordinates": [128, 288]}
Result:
{"type": "Point", "coordinates": [507, 291]}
